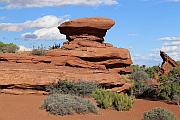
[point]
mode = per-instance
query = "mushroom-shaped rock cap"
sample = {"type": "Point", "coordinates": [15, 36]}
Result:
{"type": "Point", "coordinates": [93, 29]}
{"type": "Point", "coordinates": [95, 22]}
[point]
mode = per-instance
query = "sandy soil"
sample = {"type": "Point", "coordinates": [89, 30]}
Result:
{"type": "Point", "coordinates": [27, 107]}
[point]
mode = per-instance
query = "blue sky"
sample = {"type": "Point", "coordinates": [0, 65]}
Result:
{"type": "Point", "coordinates": [143, 26]}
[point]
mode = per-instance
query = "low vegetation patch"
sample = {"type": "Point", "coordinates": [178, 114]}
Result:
{"type": "Point", "coordinates": [40, 51]}
{"type": "Point", "coordinates": [8, 48]}
{"type": "Point", "coordinates": [59, 104]}
{"type": "Point", "coordinates": [159, 114]}
{"type": "Point", "coordinates": [168, 88]}
{"type": "Point", "coordinates": [107, 99]}
{"type": "Point", "coordinates": [80, 88]}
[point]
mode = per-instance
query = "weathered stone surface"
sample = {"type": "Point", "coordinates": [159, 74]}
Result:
{"type": "Point", "coordinates": [96, 22]}
{"type": "Point", "coordinates": [9, 57]}
{"type": "Point", "coordinates": [90, 52]}
{"type": "Point", "coordinates": [26, 75]}
{"type": "Point", "coordinates": [123, 70]}
{"type": "Point", "coordinates": [93, 29]}
{"type": "Point", "coordinates": [22, 92]}
{"type": "Point", "coordinates": [168, 63]}
{"type": "Point", "coordinates": [91, 57]}
{"type": "Point", "coordinates": [84, 43]}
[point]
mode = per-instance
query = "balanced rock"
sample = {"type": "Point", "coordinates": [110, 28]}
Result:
{"type": "Point", "coordinates": [84, 56]}
{"type": "Point", "coordinates": [93, 29]}
{"type": "Point", "coordinates": [168, 63]}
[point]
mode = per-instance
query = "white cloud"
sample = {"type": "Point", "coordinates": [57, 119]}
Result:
{"type": "Point", "coordinates": [44, 3]}
{"type": "Point", "coordinates": [22, 48]}
{"type": "Point", "coordinates": [170, 38]}
{"type": "Point", "coordinates": [44, 34]}
{"type": "Point", "coordinates": [43, 22]}
{"type": "Point", "coordinates": [171, 45]}
{"type": "Point", "coordinates": [45, 28]}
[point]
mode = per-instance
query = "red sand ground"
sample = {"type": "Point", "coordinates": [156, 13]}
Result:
{"type": "Point", "coordinates": [27, 107]}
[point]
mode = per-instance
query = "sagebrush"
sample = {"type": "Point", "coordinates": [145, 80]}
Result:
{"type": "Point", "coordinates": [60, 104]}
{"type": "Point", "coordinates": [159, 114]}
{"type": "Point", "coordinates": [80, 88]}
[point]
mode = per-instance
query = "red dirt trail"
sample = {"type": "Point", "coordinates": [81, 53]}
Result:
{"type": "Point", "coordinates": [27, 107]}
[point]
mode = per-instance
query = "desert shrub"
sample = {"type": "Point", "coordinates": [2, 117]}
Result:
{"type": "Point", "coordinates": [8, 48]}
{"type": "Point", "coordinates": [176, 100]}
{"type": "Point", "coordinates": [151, 92]}
{"type": "Point", "coordinates": [139, 75]}
{"type": "Point", "coordinates": [169, 90]}
{"type": "Point", "coordinates": [60, 104]}
{"type": "Point", "coordinates": [80, 88]}
{"type": "Point", "coordinates": [138, 68]}
{"type": "Point", "coordinates": [159, 114]}
{"type": "Point", "coordinates": [170, 86]}
{"type": "Point", "coordinates": [122, 102]}
{"type": "Point", "coordinates": [152, 71]}
{"type": "Point", "coordinates": [140, 89]}
{"type": "Point", "coordinates": [106, 99]}
{"type": "Point", "coordinates": [174, 75]}
{"type": "Point", "coordinates": [103, 97]}
{"type": "Point", "coordinates": [163, 78]}
{"type": "Point", "coordinates": [40, 51]}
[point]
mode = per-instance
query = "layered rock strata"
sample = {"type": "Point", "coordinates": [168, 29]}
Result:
{"type": "Point", "coordinates": [84, 56]}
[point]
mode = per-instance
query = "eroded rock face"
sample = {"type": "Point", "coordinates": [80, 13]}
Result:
{"type": "Point", "coordinates": [83, 57]}
{"type": "Point", "coordinates": [168, 63]}
{"type": "Point", "coordinates": [93, 29]}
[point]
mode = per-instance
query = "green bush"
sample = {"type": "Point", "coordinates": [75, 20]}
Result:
{"type": "Point", "coordinates": [169, 90]}
{"type": "Point", "coordinates": [163, 78]}
{"type": "Point", "coordinates": [122, 102]}
{"type": "Point", "coordinates": [59, 104]}
{"type": "Point", "coordinates": [80, 88]}
{"type": "Point", "coordinates": [103, 97]}
{"type": "Point", "coordinates": [139, 75]}
{"type": "Point", "coordinates": [106, 99]}
{"type": "Point", "coordinates": [171, 85]}
{"type": "Point", "coordinates": [159, 114]}
{"type": "Point", "coordinates": [174, 75]}
{"type": "Point", "coordinates": [139, 88]}
{"type": "Point", "coordinates": [8, 48]}
{"type": "Point", "coordinates": [152, 71]}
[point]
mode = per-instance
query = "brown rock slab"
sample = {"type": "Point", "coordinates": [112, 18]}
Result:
{"type": "Point", "coordinates": [22, 92]}
{"type": "Point", "coordinates": [90, 52]}
{"type": "Point", "coordinates": [122, 70]}
{"type": "Point", "coordinates": [168, 63]}
{"type": "Point", "coordinates": [84, 43]}
{"type": "Point", "coordinates": [41, 74]}
{"type": "Point", "coordinates": [93, 29]}
{"type": "Point", "coordinates": [96, 22]}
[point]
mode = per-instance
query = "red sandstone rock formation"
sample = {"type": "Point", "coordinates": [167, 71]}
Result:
{"type": "Point", "coordinates": [84, 57]}
{"type": "Point", "coordinates": [168, 63]}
